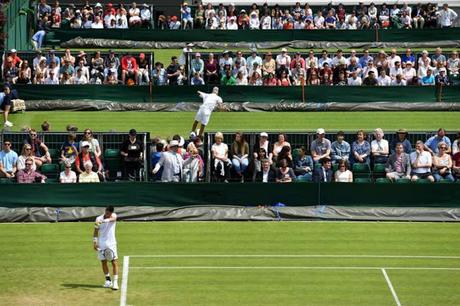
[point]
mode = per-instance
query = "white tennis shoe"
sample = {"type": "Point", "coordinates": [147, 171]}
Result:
{"type": "Point", "coordinates": [8, 124]}
{"type": "Point", "coordinates": [107, 284]}
{"type": "Point", "coordinates": [115, 286]}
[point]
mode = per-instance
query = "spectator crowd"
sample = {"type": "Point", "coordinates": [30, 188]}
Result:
{"type": "Point", "coordinates": [179, 160]}
{"type": "Point", "coordinates": [93, 16]}
{"type": "Point", "coordinates": [285, 69]}
{"type": "Point", "coordinates": [228, 68]}
{"type": "Point", "coordinates": [263, 17]}
{"type": "Point", "coordinates": [81, 69]}
{"type": "Point", "coordinates": [304, 17]}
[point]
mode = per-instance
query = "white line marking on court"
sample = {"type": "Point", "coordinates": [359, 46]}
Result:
{"type": "Point", "coordinates": [290, 268]}
{"type": "Point", "coordinates": [124, 281]}
{"type": "Point", "coordinates": [296, 256]}
{"type": "Point", "coordinates": [390, 285]}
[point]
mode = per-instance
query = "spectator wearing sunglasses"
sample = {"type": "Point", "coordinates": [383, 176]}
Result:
{"type": "Point", "coordinates": [28, 175]}
{"type": "Point", "coordinates": [39, 149]}
{"type": "Point", "coordinates": [94, 146]}
{"type": "Point", "coordinates": [67, 176]}
{"type": "Point", "coordinates": [25, 154]}
{"type": "Point", "coordinates": [442, 164]}
{"type": "Point", "coordinates": [8, 160]}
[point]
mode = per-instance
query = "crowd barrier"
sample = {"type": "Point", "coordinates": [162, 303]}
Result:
{"type": "Point", "coordinates": [254, 94]}
{"type": "Point", "coordinates": [217, 194]}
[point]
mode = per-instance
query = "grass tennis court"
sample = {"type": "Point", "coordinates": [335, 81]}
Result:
{"type": "Point", "coordinates": [263, 263]}
{"type": "Point", "coordinates": [169, 123]}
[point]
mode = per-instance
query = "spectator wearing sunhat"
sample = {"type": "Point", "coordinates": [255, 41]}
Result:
{"type": "Point", "coordinates": [146, 16]}
{"type": "Point", "coordinates": [132, 152]}
{"type": "Point", "coordinates": [442, 79]}
{"type": "Point", "coordinates": [186, 16]}
{"type": "Point", "coordinates": [172, 163]}
{"type": "Point", "coordinates": [401, 137]}
{"type": "Point", "coordinates": [283, 58]}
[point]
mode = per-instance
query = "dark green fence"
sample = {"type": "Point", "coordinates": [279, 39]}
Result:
{"type": "Point", "coordinates": [255, 94]}
{"type": "Point", "coordinates": [249, 194]}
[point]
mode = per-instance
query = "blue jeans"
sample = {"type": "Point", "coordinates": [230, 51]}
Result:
{"type": "Point", "coordinates": [307, 177]}
{"type": "Point", "coordinates": [240, 166]}
{"type": "Point", "coordinates": [38, 39]}
{"type": "Point", "coordinates": [448, 177]}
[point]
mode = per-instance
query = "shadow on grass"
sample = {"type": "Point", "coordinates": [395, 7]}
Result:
{"type": "Point", "coordinates": [81, 286]}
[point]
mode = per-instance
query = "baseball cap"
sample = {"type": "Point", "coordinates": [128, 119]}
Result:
{"type": "Point", "coordinates": [320, 131]}
{"type": "Point", "coordinates": [263, 134]}
{"type": "Point", "coordinates": [85, 144]}
{"type": "Point", "coordinates": [283, 50]}
{"type": "Point", "coordinates": [13, 50]}
{"type": "Point", "coordinates": [132, 132]}
{"type": "Point", "coordinates": [174, 143]}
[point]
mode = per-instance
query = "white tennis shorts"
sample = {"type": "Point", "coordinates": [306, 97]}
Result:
{"type": "Point", "coordinates": [203, 115]}
{"type": "Point", "coordinates": [101, 256]}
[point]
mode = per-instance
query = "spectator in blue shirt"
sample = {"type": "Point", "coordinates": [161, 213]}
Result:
{"type": "Point", "coordinates": [340, 149]}
{"type": "Point", "coordinates": [360, 149]}
{"type": "Point", "coordinates": [197, 65]}
{"type": "Point", "coordinates": [8, 160]}
{"type": "Point", "coordinates": [303, 165]}
{"type": "Point", "coordinates": [186, 16]}
{"type": "Point", "coordinates": [431, 144]}
{"type": "Point", "coordinates": [363, 60]}
{"type": "Point", "coordinates": [408, 57]}
{"type": "Point", "coordinates": [53, 58]}
{"type": "Point", "coordinates": [401, 137]}
{"type": "Point", "coordinates": [428, 80]}
{"type": "Point", "coordinates": [155, 158]}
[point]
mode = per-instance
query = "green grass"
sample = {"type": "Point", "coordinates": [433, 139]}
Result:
{"type": "Point", "coordinates": [170, 123]}
{"type": "Point", "coordinates": [54, 264]}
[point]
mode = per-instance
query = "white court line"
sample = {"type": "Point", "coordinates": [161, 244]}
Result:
{"type": "Point", "coordinates": [124, 281]}
{"type": "Point", "coordinates": [290, 268]}
{"type": "Point", "coordinates": [296, 256]}
{"type": "Point", "coordinates": [393, 292]}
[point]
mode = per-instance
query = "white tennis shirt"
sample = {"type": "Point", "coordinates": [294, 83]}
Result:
{"type": "Point", "coordinates": [106, 233]}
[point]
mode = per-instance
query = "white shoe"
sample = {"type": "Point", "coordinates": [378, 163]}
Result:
{"type": "Point", "coordinates": [115, 286]}
{"type": "Point", "coordinates": [8, 124]}
{"type": "Point", "coordinates": [107, 284]}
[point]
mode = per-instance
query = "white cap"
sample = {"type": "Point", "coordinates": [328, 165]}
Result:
{"type": "Point", "coordinates": [263, 134]}
{"type": "Point", "coordinates": [442, 70]}
{"type": "Point", "coordinates": [174, 143]}
{"type": "Point", "coordinates": [98, 5]}
{"type": "Point", "coordinates": [85, 144]}
{"type": "Point", "coordinates": [320, 131]}
{"type": "Point", "coordinates": [283, 50]}
{"type": "Point", "coordinates": [13, 50]}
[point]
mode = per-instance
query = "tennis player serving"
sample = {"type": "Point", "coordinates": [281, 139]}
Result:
{"type": "Point", "coordinates": [105, 244]}
{"type": "Point", "coordinates": [204, 113]}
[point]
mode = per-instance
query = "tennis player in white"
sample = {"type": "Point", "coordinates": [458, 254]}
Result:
{"type": "Point", "coordinates": [204, 113]}
{"type": "Point", "coordinates": [105, 244]}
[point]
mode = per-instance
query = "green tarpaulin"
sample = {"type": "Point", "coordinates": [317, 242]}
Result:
{"type": "Point", "coordinates": [248, 194]}
{"type": "Point", "coordinates": [257, 94]}
{"type": "Point", "coordinates": [389, 35]}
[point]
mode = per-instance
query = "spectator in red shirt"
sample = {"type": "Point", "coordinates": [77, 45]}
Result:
{"type": "Point", "coordinates": [129, 68]}
{"type": "Point", "coordinates": [85, 156]}
{"type": "Point", "coordinates": [17, 61]}
{"type": "Point", "coordinates": [110, 9]}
